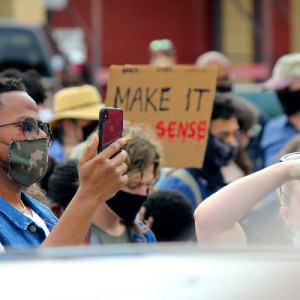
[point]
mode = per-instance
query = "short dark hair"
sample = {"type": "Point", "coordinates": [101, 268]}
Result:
{"type": "Point", "coordinates": [247, 114]}
{"type": "Point", "coordinates": [63, 182]}
{"type": "Point", "coordinates": [43, 183]}
{"type": "Point", "coordinates": [11, 85]}
{"type": "Point", "coordinates": [173, 215]}
{"type": "Point", "coordinates": [31, 80]}
{"type": "Point", "coordinates": [223, 107]}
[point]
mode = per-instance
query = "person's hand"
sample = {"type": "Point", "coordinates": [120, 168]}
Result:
{"type": "Point", "coordinates": [99, 179]}
{"type": "Point", "coordinates": [100, 176]}
{"type": "Point", "coordinates": [149, 221]}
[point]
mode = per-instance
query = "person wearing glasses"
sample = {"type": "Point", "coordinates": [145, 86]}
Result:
{"type": "Point", "coordinates": [24, 141]}
{"type": "Point", "coordinates": [217, 218]}
{"type": "Point", "coordinates": [115, 221]}
{"type": "Point", "coordinates": [35, 89]}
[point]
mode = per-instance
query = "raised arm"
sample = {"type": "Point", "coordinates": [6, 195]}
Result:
{"type": "Point", "coordinates": [217, 217]}
{"type": "Point", "coordinates": [100, 178]}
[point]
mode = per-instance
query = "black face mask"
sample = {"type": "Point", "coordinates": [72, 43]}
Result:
{"type": "Point", "coordinates": [218, 152]}
{"type": "Point", "coordinates": [290, 101]}
{"type": "Point", "coordinates": [126, 205]}
{"type": "Point", "coordinates": [224, 88]}
{"type": "Point", "coordinates": [87, 130]}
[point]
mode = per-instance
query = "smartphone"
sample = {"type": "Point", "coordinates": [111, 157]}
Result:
{"type": "Point", "coordinates": [110, 126]}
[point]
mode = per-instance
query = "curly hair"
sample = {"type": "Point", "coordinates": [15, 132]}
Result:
{"type": "Point", "coordinates": [11, 85]}
{"type": "Point", "coordinates": [32, 81]}
{"type": "Point", "coordinates": [223, 107]}
{"type": "Point", "coordinates": [173, 215]}
{"type": "Point", "coordinates": [63, 182]}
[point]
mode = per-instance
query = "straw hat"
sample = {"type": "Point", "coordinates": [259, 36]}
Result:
{"type": "Point", "coordinates": [80, 102]}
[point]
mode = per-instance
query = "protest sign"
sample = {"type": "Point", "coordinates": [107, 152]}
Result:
{"type": "Point", "coordinates": [176, 101]}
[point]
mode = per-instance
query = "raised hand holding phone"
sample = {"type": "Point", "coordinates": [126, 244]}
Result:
{"type": "Point", "coordinates": [110, 126]}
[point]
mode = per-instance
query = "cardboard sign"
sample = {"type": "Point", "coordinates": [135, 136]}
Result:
{"type": "Point", "coordinates": [176, 101]}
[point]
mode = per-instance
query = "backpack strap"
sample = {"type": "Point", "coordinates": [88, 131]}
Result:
{"type": "Point", "coordinates": [190, 180]}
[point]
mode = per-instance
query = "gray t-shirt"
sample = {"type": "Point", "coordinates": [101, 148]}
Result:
{"type": "Point", "coordinates": [99, 236]}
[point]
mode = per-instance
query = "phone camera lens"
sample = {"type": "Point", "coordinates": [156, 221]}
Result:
{"type": "Point", "coordinates": [105, 116]}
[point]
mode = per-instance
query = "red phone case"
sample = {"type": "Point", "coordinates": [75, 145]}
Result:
{"type": "Point", "coordinates": [110, 126]}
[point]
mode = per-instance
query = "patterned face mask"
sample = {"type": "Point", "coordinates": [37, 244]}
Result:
{"type": "Point", "coordinates": [218, 152]}
{"type": "Point", "coordinates": [28, 160]}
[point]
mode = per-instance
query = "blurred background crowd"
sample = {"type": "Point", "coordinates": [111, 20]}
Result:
{"type": "Point", "coordinates": [84, 38]}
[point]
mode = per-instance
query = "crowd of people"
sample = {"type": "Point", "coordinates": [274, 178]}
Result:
{"type": "Point", "coordinates": [56, 190]}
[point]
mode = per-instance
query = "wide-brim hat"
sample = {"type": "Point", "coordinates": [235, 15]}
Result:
{"type": "Point", "coordinates": [80, 102]}
{"type": "Point", "coordinates": [285, 72]}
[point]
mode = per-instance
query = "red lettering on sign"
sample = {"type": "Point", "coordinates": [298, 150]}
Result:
{"type": "Point", "coordinates": [201, 130]}
{"type": "Point", "coordinates": [171, 129]}
{"type": "Point", "coordinates": [181, 130]}
{"type": "Point", "coordinates": [160, 130]}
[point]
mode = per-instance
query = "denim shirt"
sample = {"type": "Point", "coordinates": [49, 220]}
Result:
{"type": "Point", "coordinates": [276, 134]}
{"type": "Point", "coordinates": [147, 237]}
{"type": "Point", "coordinates": [57, 151]}
{"type": "Point", "coordinates": [174, 183]}
{"type": "Point", "coordinates": [19, 231]}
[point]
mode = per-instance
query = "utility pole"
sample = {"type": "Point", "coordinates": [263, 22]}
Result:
{"type": "Point", "coordinates": [95, 37]}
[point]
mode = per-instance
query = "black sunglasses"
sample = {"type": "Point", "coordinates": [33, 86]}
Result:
{"type": "Point", "coordinates": [31, 128]}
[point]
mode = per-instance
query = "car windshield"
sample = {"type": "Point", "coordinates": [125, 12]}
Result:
{"type": "Point", "coordinates": [19, 49]}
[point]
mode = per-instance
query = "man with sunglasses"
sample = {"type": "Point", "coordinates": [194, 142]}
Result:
{"type": "Point", "coordinates": [24, 141]}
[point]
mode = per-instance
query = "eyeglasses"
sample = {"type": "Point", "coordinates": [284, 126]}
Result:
{"type": "Point", "coordinates": [290, 156]}
{"type": "Point", "coordinates": [31, 128]}
{"type": "Point", "coordinates": [135, 185]}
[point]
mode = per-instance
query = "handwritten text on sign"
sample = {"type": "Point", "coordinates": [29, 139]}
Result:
{"type": "Point", "coordinates": [176, 101]}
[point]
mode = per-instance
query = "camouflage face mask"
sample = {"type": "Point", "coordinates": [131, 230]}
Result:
{"type": "Point", "coordinates": [28, 160]}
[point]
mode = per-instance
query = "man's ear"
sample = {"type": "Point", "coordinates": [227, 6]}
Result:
{"type": "Point", "coordinates": [285, 215]}
{"type": "Point", "coordinates": [56, 209]}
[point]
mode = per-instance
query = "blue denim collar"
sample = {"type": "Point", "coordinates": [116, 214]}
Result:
{"type": "Point", "coordinates": [19, 219]}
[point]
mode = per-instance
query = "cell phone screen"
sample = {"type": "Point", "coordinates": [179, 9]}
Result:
{"type": "Point", "coordinates": [110, 126]}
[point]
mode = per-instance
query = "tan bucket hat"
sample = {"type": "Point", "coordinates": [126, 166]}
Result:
{"type": "Point", "coordinates": [80, 102]}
